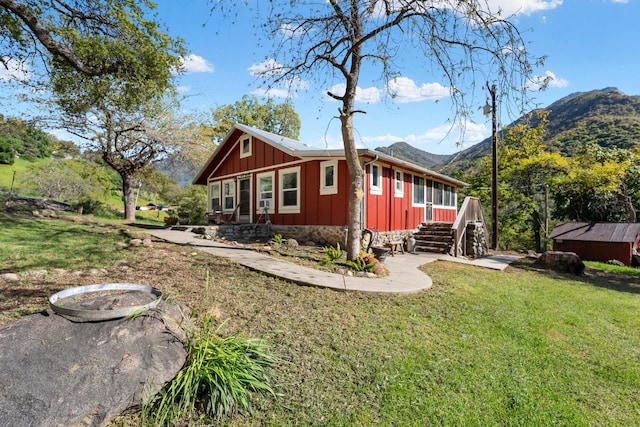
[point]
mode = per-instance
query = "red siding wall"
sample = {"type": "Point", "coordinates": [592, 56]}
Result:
{"type": "Point", "coordinates": [597, 251]}
{"type": "Point", "coordinates": [262, 155]}
{"type": "Point", "coordinates": [315, 209]}
{"type": "Point", "coordinates": [386, 212]}
{"type": "Point", "coordinates": [441, 214]}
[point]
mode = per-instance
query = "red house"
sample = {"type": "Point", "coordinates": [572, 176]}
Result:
{"type": "Point", "coordinates": [254, 176]}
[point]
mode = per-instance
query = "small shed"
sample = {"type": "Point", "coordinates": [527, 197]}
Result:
{"type": "Point", "coordinates": [598, 241]}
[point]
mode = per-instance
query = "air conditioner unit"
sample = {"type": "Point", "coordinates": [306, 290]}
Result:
{"type": "Point", "coordinates": [265, 203]}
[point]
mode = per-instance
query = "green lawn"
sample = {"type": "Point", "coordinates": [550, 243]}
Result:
{"type": "Point", "coordinates": [31, 244]}
{"type": "Point", "coordinates": [521, 347]}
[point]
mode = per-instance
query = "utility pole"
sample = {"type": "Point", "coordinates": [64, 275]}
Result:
{"type": "Point", "coordinates": [494, 171]}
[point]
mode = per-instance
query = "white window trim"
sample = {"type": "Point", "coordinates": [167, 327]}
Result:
{"type": "Point", "coordinates": [211, 186]}
{"type": "Point", "coordinates": [271, 209]}
{"type": "Point", "coordinates": [396, 192]}
{"type": "Point", "coordinates": [413, 192]}
{"type": "Point", "coordinates": [375, 189]}
{"type": "Point", "coordinates": [333, 189]}
{"type": "Point", "coordinates": [288, 209]}
{"type": "Point", "coordinates": [244, 154]}
{"type": "Point", "coordinates": [233, 194]}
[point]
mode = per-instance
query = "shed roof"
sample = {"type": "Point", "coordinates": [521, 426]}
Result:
{"type": "Point", "coordinates": [596, 231]}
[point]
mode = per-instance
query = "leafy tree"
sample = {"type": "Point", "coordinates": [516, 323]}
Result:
{"type": "Point", "coordinates": [602, 185]}
{"type": "Point", "coordinates": [95, 38]}
{"type": "Point", "coordinates": [280, 119]}
{"type": "Point", "coordinates": [7, 151]}
{"type": "Point", "coordinates": [158, 186]}
{"type": "Point", "coordinates": [26, 141]}
{"type": "Point", "coordinates": [336, 39]}
{"type": "Point", "coordinates": [119, 109]}
{"type": "Point", "coordinates": [525, 169]}
{"type": "Point", "coordinates": [192, 205]}
{"type": "Point", "coordinates": [76, 182]}
{"type": "Point", "coordinates": [128, 142]}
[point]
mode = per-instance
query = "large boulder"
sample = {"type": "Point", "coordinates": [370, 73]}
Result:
{"type": "Point", "coordinates": [568, 262]}
{"type": "Point", "coordinates": [57, 371]}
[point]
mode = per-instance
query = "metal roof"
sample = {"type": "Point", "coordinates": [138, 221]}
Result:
{"type": "Point", "coordinates": [596, 231]}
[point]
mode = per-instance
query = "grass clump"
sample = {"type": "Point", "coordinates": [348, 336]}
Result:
{"type": "Point", "coordinates": [219, 377]}
{"type": "Point", "coordinates": [332, 254]}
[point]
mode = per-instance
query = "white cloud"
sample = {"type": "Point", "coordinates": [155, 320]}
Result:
{"type": "Point", "coordinates": [620, 1]}
{"type": "Point", "coordinates": [12, 70]}
{"type": "Point", "coordinates": [370, 95]}
{"type": "Point", "coordinates": [286, 88]}
{"type": "Point", "coordinates": [473, 133]}
{"type": "Point", "coordinates": [526, 7]}
{"type": "Point", "coordinates": [549, 79]}
{"type": "Point", "coordinates": [404, 90]}
{"type": "Point", "coordinates": [196, 64]}
{"type": "Point", "coordinates": [183, 89]}
{"type": "Point", "coordinates": [268, 67]}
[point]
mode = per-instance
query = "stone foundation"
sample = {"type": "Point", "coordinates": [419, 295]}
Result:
{"type": "Point", "coordinates": [319, 235]}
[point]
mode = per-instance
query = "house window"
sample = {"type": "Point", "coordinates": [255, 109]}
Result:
{"type": "Point", "coordinates": [418, 191]}
{"type": "Point", "coordinates": [329, 177]}
{"type": "Point", "coordinates": [438, 193]}
{"type": "Point", "coordinates": [398, 184]}
{"type": "Point", "coordinates": [376, 179]}
{"type": "Point", "coordinates": [449, 195]}
{"type": "Point", "coordinates": [216, 204]}
{"type": "Point", "coordinates": [245, 147]}
{"type": "Point", "coordinates": [289, 189]}
{"type": "Point", "coordinates": [265, 191]}
{"type": "Point", "coordinates": [229, 195]}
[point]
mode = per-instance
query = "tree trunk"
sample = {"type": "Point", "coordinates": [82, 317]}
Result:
{"type": "Point", "coordinates": [356, 191]}
{"type": "Point", "coordinates": [128, 196]}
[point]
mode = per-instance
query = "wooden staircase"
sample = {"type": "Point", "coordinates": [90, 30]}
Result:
{"type": "Point", "coordinates": [434, 237]}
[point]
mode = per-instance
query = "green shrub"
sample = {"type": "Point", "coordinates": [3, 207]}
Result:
{"type": "Point", "coordinates": [278, 238]}
{"type": "Point", "coordinates": [192, 206]}
{"type": "Point", "coordinates": [218, 378]}
{"type": "Point", "coordinates": [333, 254]}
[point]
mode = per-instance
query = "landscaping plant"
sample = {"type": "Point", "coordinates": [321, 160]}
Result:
{"type": "Point", "coordinates": [218, 379]}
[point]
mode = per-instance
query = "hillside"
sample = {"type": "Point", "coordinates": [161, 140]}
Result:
{"type": "Point", "coordinates": [607, 117]}
{"type": "Point", "coordinates": [404, 151]}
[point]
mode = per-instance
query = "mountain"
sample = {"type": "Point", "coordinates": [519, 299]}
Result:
{"type": "Point", "coordinates": [404, 151]}
{"type": "Point", "coordinates": [607, 117]}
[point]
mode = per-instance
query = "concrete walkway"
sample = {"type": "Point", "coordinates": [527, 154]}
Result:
{"type": "Point", "coordinates": [403, 277]}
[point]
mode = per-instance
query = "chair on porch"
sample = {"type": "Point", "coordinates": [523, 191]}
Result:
{"type": "Point", "coordinates": [230, 217]}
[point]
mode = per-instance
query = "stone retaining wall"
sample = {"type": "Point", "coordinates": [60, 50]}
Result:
{"type": "Point", "coordinates": [320, 235]}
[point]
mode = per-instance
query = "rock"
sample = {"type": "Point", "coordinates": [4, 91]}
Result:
{"type": "Point", "coordinates": [568, 262]}
{"type": "Point", "coordinates": [135, 242]}
{"type": "Point", "coordinates": [59, 372]}
{"type": "Point", "coordinates": [615, 262]}
{"type": "Point", "coordinates": [199, 230]}
{"type": "Point", "coordinates": [147, 242]}
{"type": "Point", "coordinates": [10, 277]}
{"type": "Point", "coordinates": [292, 243]}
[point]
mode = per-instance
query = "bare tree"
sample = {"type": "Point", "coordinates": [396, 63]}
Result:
{"type": "Point", "coordinates": [131, 141]}
{"type": "Point", "coordinates": [463, 39]}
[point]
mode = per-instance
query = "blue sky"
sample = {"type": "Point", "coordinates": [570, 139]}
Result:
{"type": "Point", "coordinates": [590, 44]}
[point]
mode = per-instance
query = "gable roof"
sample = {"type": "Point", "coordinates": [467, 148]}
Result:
{"type": "Point", "coordinates": [597, 231]}
{"type": "Point", "coordinates": [301, 150]}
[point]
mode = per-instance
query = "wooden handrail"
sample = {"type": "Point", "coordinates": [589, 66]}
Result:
{"type": "Point", "coordinates": [470, 211]}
